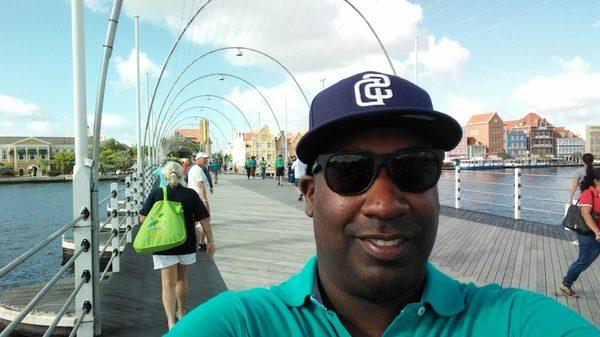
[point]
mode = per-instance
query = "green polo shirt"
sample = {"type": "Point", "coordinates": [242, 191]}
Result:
{"type": "Point", "coordinates": [448, 308]}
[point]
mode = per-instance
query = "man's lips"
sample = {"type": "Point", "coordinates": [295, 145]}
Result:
{"type": "Point", "coordinates": [384, 246]}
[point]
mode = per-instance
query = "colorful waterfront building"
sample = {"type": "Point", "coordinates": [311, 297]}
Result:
{"type": "Point", "coordinates": [461, 150]}
{"type": "Point", "coordinates": [592, 140]}
{"type": "Point", "coordinates": [540, 134]}
{"type": "Point", "coordinates": [517, 140]}
{"type": "Point", "coordinates": [24, 154]}
{"type": "Point", "coordinates": [569, 146]}
{"type": "Point", "coordinates": [488, 130]}
{"type": "Point", "coordinates": [475, 148]}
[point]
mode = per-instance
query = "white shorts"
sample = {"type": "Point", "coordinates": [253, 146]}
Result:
{"type": "Point", "coordinates": [164, 261]}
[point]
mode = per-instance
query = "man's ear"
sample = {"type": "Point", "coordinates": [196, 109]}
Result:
{"type": "Point", "coordinates": [307, 186]}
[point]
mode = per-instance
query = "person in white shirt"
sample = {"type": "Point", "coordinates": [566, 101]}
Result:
{"type": "Point", "coordinates": [299, 169]}
{"type": "Point", "coordinates": [198, 181]}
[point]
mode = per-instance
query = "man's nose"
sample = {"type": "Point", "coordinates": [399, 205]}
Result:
{"type": "Point", "coordinates": [383, 199]}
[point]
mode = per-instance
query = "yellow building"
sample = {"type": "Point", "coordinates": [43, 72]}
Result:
{"type": "Point", "coordinates": [592, 140]}
{"type": "Point", "coordinates": [23, 154]}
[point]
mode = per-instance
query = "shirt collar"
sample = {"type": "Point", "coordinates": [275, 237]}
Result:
{"type": "Point", "coordinates": [441, 291]}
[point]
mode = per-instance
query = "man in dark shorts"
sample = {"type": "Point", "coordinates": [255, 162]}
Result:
{"type": "Point", "coordinates": [279, 168]}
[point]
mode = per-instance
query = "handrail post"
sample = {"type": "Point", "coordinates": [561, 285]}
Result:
{"type": "Point", "coordinates": [128, 209]}
{"type": "Point", "coordinates": [457, 187]}
{"type": "Point", "coordinates": [517, 193]}
{"type": "Point", "coordinates": [114, 224]}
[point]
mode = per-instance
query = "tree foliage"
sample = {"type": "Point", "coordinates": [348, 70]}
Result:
{"type": "Point", "coordinates": [64, 161]}
{"type": "Point", "coordinates": [181, 147]}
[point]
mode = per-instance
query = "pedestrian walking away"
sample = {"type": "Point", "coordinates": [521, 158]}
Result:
{"type": "Point", "coordinates": [248, 168]}
{"type": "Point", "coordinates": [216, 170]}
{"type": "Point", "coordinates": [589, 244]}
{"type": "Point", "coordinates": [279, 168]}
{"type": "Point", "coordinates": [253, 165]}
{"type": "Point", "coordinates": [198, 180]}
{"type": "Point", "coordinates": [173, 263]}
{"type": "Point", "coordinates": [291, 179]}
{"type": "Point", "coordinates": [299, 169]}
{"type": "Point", "coordinates": [263, 167]}
{"type": "Point", "coordinates": [374, 149]}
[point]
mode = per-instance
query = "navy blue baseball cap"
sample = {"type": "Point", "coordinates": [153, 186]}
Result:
{"type": "Point", "coordinates": [372, 99]}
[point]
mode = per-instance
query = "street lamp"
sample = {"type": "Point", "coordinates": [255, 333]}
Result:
{"type": "Point", "coordinates": [221, 78]}
{"type": "Point", "coordinates": [239, 53]}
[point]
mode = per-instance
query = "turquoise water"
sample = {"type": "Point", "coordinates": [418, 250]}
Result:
{"type": "Point", "coordinates": [28, 214]}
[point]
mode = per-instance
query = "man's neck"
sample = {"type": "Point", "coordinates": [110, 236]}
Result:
{"type": "Point", "coordinates": [366, 318]}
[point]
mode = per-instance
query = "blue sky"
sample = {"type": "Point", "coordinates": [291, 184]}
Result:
{"type": "Point", "coordinates": [509, 56]}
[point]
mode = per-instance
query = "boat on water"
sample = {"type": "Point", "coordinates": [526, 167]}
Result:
{"type": "Point", "coordinates": [480, 163]}
{"type": "Point", "coordinates": [525, 163]}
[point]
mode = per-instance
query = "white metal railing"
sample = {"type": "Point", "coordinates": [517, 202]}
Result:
{"type": "Point", "coordinates": [126, 214]}
{"type": "Point", "coordinates": [517, 196]}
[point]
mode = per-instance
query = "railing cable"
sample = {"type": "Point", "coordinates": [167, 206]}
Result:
{"type": "Point", "coordinates": [5, 270]}
{"type": "Point", "coordinates": [85, 278]}
{"type": "Point", "coordinates": [85, 245]}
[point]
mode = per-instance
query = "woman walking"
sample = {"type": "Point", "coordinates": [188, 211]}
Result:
{"type": "Point", "coordinates": [589, 245]}
{"type": "Point", "coordinates": [173, 262]}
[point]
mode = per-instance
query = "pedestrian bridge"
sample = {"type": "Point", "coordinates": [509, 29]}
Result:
{"type": "Point", "coordinates": [263, 237]}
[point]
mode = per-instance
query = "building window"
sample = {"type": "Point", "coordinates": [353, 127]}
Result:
{"type": "Point", "coordinates": [21, 156]}
{"type": "Point", "coordinates": [4, 155]}
{"type": "Point", "coordinates": [31, 155]}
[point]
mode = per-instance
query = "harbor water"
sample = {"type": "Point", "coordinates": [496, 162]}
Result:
{"type": "Point", "coordinates": [29, 213]}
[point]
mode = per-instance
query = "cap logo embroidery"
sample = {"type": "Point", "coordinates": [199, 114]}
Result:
{"type": "Point", "coordinates": [370, 90]}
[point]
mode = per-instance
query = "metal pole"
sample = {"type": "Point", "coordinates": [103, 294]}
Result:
{"type": "Point", "coordinates": [138, 109]}
{"type": "Point", "coordinates": [417, 59]}
{"type": "Point", "coordinates": [128, 208]}
{"type": "Point", "coordinates": [81, 175]}
{"type": "Point", "coordinates": [517, 193]}
{"type": "Point", "coordinates": [457, 187]}
{"type": "Point", "coordinates": [108, 47]}
{"type": "Point", "coordinates": [285, 134]}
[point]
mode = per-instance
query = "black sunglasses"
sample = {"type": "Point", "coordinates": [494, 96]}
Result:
{"type": "Point", "coordinates": [352, 173]}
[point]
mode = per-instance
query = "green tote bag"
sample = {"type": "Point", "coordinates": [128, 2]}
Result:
{"type": "Point", "coordinates": [163, 228]}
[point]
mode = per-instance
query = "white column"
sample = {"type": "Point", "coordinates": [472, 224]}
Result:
{"type": "Point", "coordinates": [82, 232]}
{"type": "Point", "coordinates": [138, 108]}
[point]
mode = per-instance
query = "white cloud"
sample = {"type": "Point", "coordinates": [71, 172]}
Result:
{"type": "Point", "coordinates": [116, 126]}
{"type": "Point", "coordinates": [45, 128]}
{"type": "Point", "coordinates": [570, 98]}
{"type": "Point", "coordinates": [462, 108]}
{"type": "Point", "coordinates": [442, 60]}
{"type": "Point", "coordinates": [127, 70]}
{"type": "Point", "coordinates": [12, 107]}
{"type": "Point", "coordinates": [98, 6]}
{"type": "Point", "coordinates": [576, 64]}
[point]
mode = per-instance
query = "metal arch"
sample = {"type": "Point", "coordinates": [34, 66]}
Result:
{"type": "Point", "coordinates": [374, 34]}
{"type": "Point", "coordinates": [189, 109]}
{"type": "Point", "coordinates": [220, 74]}
{"type": "Point", "coordinates": [228, 48]}
{"type": "Point", "coordinates": [188, 118]}
{"type": "Point", "coordinates": [164, 132]}
{"type": "Point", "coordinates": [223, 98]}
{"type": "Point", "coordinates": [162, 70]}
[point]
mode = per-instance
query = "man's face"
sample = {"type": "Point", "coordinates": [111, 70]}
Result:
{"type": "Point", "coordinates": [349, 229]}
{"type": "Point", "coordinates": [200, 161]}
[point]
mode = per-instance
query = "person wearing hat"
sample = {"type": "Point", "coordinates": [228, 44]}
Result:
{"type": "Point", "coordinates": [198, 181]}
{"type": "Point", "coordinates": [374, 150]}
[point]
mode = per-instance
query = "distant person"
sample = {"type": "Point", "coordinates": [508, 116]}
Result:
{"type": "Point", "coordinates": [185, 165]}
{"type": "Point", "coordinates": [160, 181]}
{"type": "Point", "coordinates": [253, 165]}
{"type": "Point", "coordinates": [263, 168]}
{"type": "Point", "coordinates": [279, 168]}
{"type": "Point", "coordinates": [580, 173]}
{"type": "Point", "coordinates": [248, 168]}
{"type": "Point", "coordinates": [374, 233]}
{"type": "Point", "coordinates": [216, 168]}
{"type": "Point", "coordinates": [589, 245]}
{"type": "Point", "coordinates": [198, 181]}
{"type": "Point", "coordinates": [299, 169]}
{"type": "Point", "coordinates": [173, 263]}
{"type": "Point", "coordinates": [290, 171]}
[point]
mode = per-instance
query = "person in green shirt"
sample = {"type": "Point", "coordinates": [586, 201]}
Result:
{"type": "Point", "coordinates": [279, 169]}
{"type": "Point", "coordinates": [263, 167]}
{"type": "Point", "coordinates": [375, 149]}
